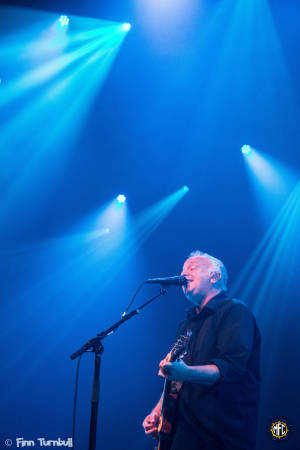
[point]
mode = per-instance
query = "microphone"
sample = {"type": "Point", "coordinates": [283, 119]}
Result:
{"type": "Point", "coordinates": [168, 281]}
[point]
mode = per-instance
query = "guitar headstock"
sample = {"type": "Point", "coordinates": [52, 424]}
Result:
{"type": "Point", "coordinates": [181, 346]}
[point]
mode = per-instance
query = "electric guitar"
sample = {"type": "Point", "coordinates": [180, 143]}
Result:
{"type": "Point", "coordinates": [170, 395]}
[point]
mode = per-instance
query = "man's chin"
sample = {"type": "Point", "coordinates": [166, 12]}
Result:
{"type": "Point", "coordinates": [189, 295]}
{"type": "Point", "coordinates": [193, 297]}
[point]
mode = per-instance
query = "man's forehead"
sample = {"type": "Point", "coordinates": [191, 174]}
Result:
{"type": "Point", "coordinates": [196, 260]}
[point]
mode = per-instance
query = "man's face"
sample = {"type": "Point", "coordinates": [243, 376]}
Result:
{"type": "Point", "coordinates": [198, 272]}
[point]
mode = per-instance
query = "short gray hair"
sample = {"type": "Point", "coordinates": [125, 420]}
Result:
{"type": "Point", "coordinates": [217, 265]}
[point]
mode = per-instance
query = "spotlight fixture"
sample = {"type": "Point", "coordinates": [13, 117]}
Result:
{"type": "Point", "coordinates": [126, 26]}
{"type": "Point", "coordinates": [121, 198]}
{"type": "Point", "coordinates": [63, 21]}
{"type": "Point", "coordinates": [246, 150]}
{"type": "Point", "coordinates": [186, 188]}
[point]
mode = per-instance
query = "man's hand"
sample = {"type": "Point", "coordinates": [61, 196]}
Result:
{"type": "Point", "coordinates": [206, 374]}
{"type": "Point", "coordinates": [176, 371]}
{"type": "Point", "coordinates": [150, 425]}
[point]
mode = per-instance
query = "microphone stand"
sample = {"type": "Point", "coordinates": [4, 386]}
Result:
{"type": "Point", "coordinates": [95, 345]}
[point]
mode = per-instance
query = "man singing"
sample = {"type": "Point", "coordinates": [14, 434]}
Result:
{"type": "Point", "coordinates": [218, 401]}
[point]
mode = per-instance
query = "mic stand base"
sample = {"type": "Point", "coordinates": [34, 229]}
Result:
{"type": "Point", "coordinates": [98, 350]}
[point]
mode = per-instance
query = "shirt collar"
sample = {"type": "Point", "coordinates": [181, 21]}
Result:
{"type": "Point", "coordinates": [213, 304]}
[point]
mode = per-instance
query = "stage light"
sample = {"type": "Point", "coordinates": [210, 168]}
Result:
{"type": "Point", "coordinates": [126, 26]}
{"type": "Point", "coordinates": [121, 198]}
{"type": "Point", "coordinates": [63, 21]}
{"type": "Point", "coordinates": [246, 150]}
{"type": "Point", "coordinates": [186, 188]}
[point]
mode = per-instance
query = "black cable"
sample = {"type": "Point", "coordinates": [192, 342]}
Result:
{"type": "Point", "coordinates": [75, 401]}
{"type": "Point", "coordinates": [133, 297]}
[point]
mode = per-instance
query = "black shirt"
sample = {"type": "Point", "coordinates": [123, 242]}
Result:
{"type": "Point", "coordinates": [225, 334]}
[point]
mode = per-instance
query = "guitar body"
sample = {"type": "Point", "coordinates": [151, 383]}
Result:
{"type": "Point", "coordinates": [170, 397]}
{"type": "Point", "coordinates": [168, 415]}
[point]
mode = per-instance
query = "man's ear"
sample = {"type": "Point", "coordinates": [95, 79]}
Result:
{"type": "Point", "coordinates": [215, 277]}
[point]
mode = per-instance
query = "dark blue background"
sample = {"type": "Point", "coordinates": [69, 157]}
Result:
{"type": "Point", "coordinates": [174, 110]}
